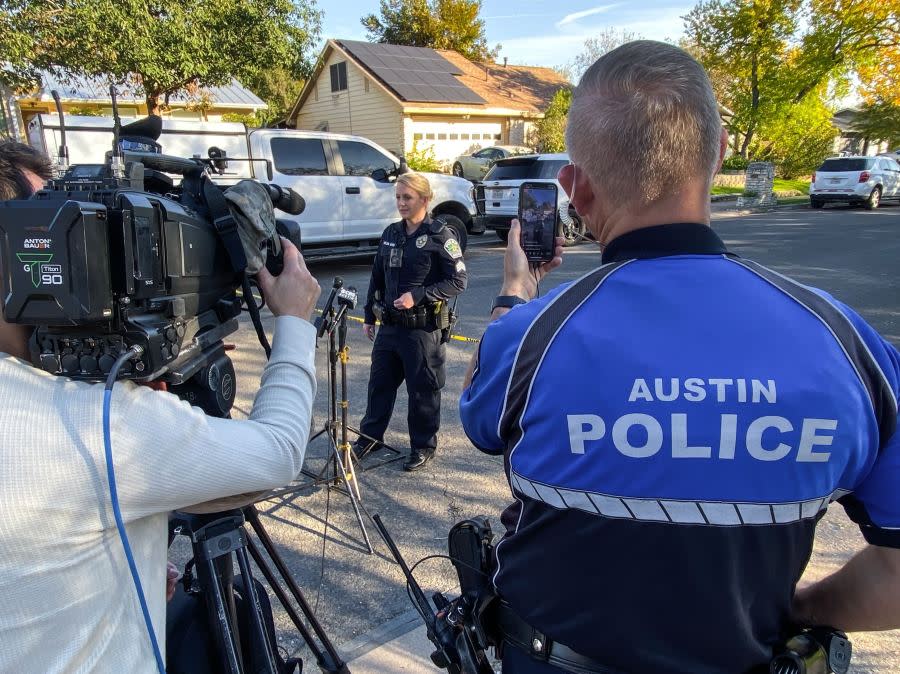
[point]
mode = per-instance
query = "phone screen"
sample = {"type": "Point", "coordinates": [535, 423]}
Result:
{"type": "Point", "coordinates": [537, 217]}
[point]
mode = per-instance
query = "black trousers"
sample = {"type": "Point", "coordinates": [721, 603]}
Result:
{"type": "Point", "coordinates": [416, 356]}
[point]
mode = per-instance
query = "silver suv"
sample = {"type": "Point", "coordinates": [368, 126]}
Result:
{"type": "Point", "coordinates": [497, 197]}
{"type": "Point", "coordinates": [855, 180]}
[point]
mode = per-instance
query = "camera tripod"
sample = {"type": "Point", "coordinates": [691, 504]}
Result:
{"type": "Point", "coordinates": [215, 538]}
{"type": "Point", "coordinates": [339, 471]}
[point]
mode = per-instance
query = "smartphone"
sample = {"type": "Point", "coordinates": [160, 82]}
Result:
{"type": "Point", "coordinates": [538, 219]}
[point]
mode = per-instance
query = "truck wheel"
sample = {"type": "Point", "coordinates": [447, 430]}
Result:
{"type": "Point", "coordinates": [574, 233]}
{"type": "Point", "coordinates": [457, 227]}
{"type": "Point", "coordinates": [502, 234]}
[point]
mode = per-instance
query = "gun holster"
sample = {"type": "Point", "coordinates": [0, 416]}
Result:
{"type": "Point", "coordinates": [470, 544]}
{"type": "Point", "coordinates": [446, 320]}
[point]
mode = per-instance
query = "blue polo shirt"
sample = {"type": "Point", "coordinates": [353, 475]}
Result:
{"type": "Point", "coordinates": [674, 425]}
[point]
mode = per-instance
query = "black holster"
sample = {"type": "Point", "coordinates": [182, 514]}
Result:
{"type": "Point", "coordinates": [472, 553]}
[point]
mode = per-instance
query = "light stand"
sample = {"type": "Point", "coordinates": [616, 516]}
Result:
{"type": "Point", "coordinates": [339, 472]}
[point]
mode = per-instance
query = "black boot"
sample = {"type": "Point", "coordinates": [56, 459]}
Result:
{"type": "Point", "coordinates": [417, 459]}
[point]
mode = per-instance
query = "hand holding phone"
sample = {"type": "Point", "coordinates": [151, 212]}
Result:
{"type": "Point", "coordinates": [538, 219]}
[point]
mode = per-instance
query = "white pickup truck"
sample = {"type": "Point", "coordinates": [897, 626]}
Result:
{"type": "Point", "coordinates": [346, 181]}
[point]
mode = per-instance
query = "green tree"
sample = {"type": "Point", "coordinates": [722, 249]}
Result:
{"type": "Point", "coordinates": [550, 132]}
{"type": "Point", "coordinates": [797, 137]}
{"type": "Point", "coordinates": [164, 46]}
{"type": "Point", "coordinates": [766, 55]}
{"type": "Point", "coordinates": [880, 121]}
{"type": "Point", "coordinates": [743, 46]}
{"type": "Point", "coordinates": [438, 24]}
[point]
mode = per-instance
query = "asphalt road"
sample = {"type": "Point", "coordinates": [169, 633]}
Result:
{"type": "Point", "coordinates": [853, 254]}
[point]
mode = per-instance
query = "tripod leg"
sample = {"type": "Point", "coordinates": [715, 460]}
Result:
{"type": "Point", "coordinates": [333, 663]}
{"type": "Point", "coordinates": [350, 470]}
{"type": "Point", "coordinates": [255, 611]}
{"type": "Point", "coordinates": [353, 501]}
{"type": "Point", "coordinates": [224, 634]}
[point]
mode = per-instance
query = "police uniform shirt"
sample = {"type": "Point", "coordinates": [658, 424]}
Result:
{"type": "Point", "coordinates": [429, 264]}
{"type": "Point", "coordinates": [674, 425]}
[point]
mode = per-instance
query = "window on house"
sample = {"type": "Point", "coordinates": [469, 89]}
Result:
{"type": "Point", "coordinates": [454, 136]}
{"type": "Point", "coordinates": [366, 84]}
{"type": "Point", "coordinates": [339, 76]}
{"type": "Point", "coordinates": [476, 136]}
{"type": "Point", "coordinates": [429, 136]}
{"type": "Point", "coordinates": [299, 156]}
{"type": "Point", "coordinates": [361, 159]}
{"type": "Point", "coordinates": [464, 136]}
{"type": "Point", "coordinates": [442, 136]}
{"type": "Point", "coordinates": [417, 136]}
{"type": "Point", "coordinates": [496, 136]}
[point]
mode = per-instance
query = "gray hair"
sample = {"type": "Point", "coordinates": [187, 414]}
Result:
{"type": "Point", "coordinates": [643, 122]}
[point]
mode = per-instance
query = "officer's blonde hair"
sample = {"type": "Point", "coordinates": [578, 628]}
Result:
{"type": "Point", "coordinates": [417, 183]}
{"type": "Point", "coordinates": [643, 122]}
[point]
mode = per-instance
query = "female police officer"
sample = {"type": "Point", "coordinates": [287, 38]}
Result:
{"type": "Point", "coordinates": [418, 268]}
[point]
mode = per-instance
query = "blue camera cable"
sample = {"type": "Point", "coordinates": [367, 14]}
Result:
{"type": "Point", "coordinates": [133, 352]}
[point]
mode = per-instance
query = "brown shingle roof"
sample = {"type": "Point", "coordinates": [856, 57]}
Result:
{"type": "Point", "coordinates": [518, 87]}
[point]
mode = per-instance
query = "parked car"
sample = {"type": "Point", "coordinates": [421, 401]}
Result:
{"type": "Point", "coordinates": [474, 166]}
{"type": "Point", "coordinates": [498, 195]}
{"type": "Point", "coordinates": [855, 180]}
{"type": "Point", "coordinates": [346, 181]}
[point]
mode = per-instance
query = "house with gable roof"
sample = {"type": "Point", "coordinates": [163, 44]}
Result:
{"type": "Point", "coordinates": [397, 96]}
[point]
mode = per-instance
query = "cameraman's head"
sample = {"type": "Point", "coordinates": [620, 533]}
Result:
{"type": "Point", "coordinates": [23, 170]}
{"type": "Point", "coordinates": [645, 138]}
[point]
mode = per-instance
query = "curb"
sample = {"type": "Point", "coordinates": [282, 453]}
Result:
{"type": "Point", "coordinates": [392, 629]}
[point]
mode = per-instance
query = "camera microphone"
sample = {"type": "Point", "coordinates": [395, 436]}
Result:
{"type": "Point", "coordinates": [285, 199]}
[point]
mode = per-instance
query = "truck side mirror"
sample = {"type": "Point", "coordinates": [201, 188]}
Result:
{"type": "Point", "coordinates": [379, 175]}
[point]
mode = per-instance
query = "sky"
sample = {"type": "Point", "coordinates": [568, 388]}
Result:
{"type": "Point", "coordinates": [536, 32]}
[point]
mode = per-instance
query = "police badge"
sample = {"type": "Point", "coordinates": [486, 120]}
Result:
{"type": "Point", "coordinates": [421, 241]}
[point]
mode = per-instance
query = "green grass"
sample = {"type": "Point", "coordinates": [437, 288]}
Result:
{"type": "Point", "coordinates": [782, 185]}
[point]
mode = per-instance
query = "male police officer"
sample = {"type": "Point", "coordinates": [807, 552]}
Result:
{"type": "Point", "coordinates": [418, 269]}
{"type": "Point", "coordinates": [675, 423]}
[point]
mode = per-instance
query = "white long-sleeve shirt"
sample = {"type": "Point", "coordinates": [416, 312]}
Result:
{"type": "Point", "coordinates": [67, 602]}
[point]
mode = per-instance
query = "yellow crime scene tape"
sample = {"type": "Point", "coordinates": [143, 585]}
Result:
{"type": "Point", "coordinates": [458, 338]}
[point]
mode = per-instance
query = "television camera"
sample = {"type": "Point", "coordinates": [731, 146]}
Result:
{"type": "Point", "coordinates": [114, 255]}
{"type": "Point", "coordinates": [125, 274]}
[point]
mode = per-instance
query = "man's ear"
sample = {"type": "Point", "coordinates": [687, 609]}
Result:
{"type": "Point", "coordinates": [576, 184]}
{"type": "Point", "coordinates": [723, 147]}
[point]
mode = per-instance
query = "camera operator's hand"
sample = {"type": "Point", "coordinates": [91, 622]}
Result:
{"type": "Point", "coordinates": [519, 276]}
{"type": "Point", "coordinates": [294, 291]}
{"type": "Point", "coordinates": [370, 331]}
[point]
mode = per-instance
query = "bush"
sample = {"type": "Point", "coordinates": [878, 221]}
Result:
{"type": "Point", "coordinates": [735, 163]}
{"type": "Point", "coordinates": [422, 160]}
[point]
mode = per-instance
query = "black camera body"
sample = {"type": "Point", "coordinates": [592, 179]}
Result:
{"type": "Point", "coordinates": [114, 255]}
{"type": "Point", "coordinates": [97, 267]}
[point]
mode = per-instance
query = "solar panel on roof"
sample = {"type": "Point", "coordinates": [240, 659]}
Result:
{"type": "Point", "coordinates": [416, 74]}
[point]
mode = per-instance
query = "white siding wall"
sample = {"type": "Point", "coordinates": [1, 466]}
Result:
{"type": "Point", "coordinates": [372, 114]}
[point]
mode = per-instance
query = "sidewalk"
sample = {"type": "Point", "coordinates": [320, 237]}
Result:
{"type": "Point", "coordinates": [400, 645]}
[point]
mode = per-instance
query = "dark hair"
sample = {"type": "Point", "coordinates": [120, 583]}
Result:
{"type": "Point", "coordinates": [15, 158]}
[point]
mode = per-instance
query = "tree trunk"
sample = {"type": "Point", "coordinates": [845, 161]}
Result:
{"type": "Point", "coordinates": [754, 104]}
{"type": "Point", "coordinates": [153, 107]}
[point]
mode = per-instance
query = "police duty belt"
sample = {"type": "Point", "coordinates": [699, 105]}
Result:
{"type": "Point", "coordinates": [458, 338]}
